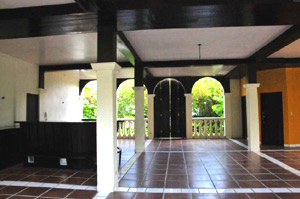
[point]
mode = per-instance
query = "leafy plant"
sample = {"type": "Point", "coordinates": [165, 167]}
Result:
{"type": "Point", "coordinates": [208, 98]}
{"type": "Point", "coordinates": [90, 101]}
{"type": "Point", "coordinates": [125, 100]}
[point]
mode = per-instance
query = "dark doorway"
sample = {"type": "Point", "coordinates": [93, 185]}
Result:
{"type": "Point", "coordinates": [244, 117]}
{"type": "Point", "coordinates": [271, 119]}
{"type": "Point", "coordinates": [32, 110]}
{"type": "Point", "coordinates": [169, 110]}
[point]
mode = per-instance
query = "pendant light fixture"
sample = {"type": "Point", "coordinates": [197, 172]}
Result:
{"type": "Point", "coordinates": [199, 45]}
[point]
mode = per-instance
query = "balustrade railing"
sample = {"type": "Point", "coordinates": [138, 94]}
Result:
{"type": "Point", "coordinates": [208, 127]}
{"type": "Point", "coordinates": [126, 128]}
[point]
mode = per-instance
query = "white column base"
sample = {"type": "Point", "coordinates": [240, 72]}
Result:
{"type": "Point", "coordinates": [228, 124]}
{"type": "Point", "coordinates": [252, 116]}
{"type": "Point", "coordinates": [107, 167]}
{"type": "Point", "coordinates": [139, 127]}
{"type": "Point", "coordinates": [189, 117]}
{"type": "Point", "coordinates": [151, 116]}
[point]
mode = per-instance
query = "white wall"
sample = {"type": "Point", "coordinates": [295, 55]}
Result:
{"type": "Point", "coordinates": [17, 78]}
{"type": "Point", "coordinates": [60, 98]}
{"type": "Point", "coordinates": [236, 108]}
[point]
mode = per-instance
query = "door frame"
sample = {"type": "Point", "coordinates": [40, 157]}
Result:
{"type": "Point", "coordinates": [38, 106]}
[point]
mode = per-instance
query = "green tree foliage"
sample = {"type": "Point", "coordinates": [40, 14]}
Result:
{"type": "Point", "coordinates": [126, 100]}
{"type": "Point", "coordinates": [90, 101]}
{"type": "Point", "coordinates": [208, 98]}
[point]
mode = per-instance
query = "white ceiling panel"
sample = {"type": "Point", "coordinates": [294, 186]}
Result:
{"type": "Point", "coordinates": [290, 51]}
{"type": "Point", "coordinates": [6, 4]}
{"type": "Point", "coordinates": [51, 50]}
{"type": "Point", "coordinates": [217, 43]}
{"type": "Point", "coordinates": [217, 70]}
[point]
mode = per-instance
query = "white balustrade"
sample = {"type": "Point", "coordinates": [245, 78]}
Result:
{"type": "Point", "coordinates": [208, 127]}
{"type": "Point", "coordinates": [126, 128]}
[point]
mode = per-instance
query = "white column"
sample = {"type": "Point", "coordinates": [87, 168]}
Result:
{"type": "Point", "coordinates": [139, 127]}
{"type": "Point", "coordinates": [252, 116]}
{"type": "Point", "coordinates": [188, 113]}
{"type": "Point", "coordinates": [228, 126]}
{"type": "Point", "coordinates": [151, 116]}
{"type": "Point", "coordinates": [107, 167]}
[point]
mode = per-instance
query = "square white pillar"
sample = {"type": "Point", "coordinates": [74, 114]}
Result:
{"type": "Point", "coordinates": [189, 116]}
{"type": "Point", "coordinates": [139, 125]}
{"type": "Point", "coordinates": [151, 116]}
{"type": "Point", "coordinates": [228, 125]}
{"type": "Point", "coordinates": [252, 116]}
{"type": "Point", "coordinates": [107, 167]}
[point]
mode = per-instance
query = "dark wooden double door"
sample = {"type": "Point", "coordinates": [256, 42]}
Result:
{"type": "Point", "coordinates": [169, 110]}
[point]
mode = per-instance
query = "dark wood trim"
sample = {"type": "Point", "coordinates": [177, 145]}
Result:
{"type": "Point", "coordinates": [88, 5]}
{"type": "Point", "coordinates": [148, 73]}
{"type": "Point", "coordinates": [138, 75]}
{"type": "Point", "coordinates": [107, 37]}
{"type": "Point", "coordinates": [129, 46]}
{"type": "Point", "coordinates": [281, 61]}
{"type": "Point", "coordinates": [286, 38]}
{"type": "Point", "coordinates": [194, 14]}
{"type": "Point", "coordinates": [251, 75]}
{"type": "Point", "coordinates": [65, 67]}
{"type": "Point", "coordinates": [40, 11]}
{"type": "Point", "coordinates": [136, 15]}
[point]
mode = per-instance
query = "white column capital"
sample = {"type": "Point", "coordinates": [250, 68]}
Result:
{"type": "Point", "coordinates": [139, 88]}
{"type": "Point", "coordinates": [106, 66]}
{"type": "Point", "coordinates": [187, 94]}
{"type": "Point", "coordinates": [151, 95]}
{"type": "Point", "coordinates": [254, 85]}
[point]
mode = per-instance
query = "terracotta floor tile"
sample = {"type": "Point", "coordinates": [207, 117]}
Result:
{"type": "Point", "coordinates": [82, 194]}
{"type": "Point", "coordinates": [276, 184]}
{"type": "Point", "coordinates": [58, 193]}
{"type": "Point", "coordinates": [33, 191]}
{"type": "Point", "coordinates": [233, 196]}
{"type": "Point", "coordinates": [289, 195]}
{"type": "Point", "coordinates": [262, 196]}
{"type": "Point", "coordinates": [177, 196]}
{"type": "Point", "coordinates": [53, 179]}
{"type": "Point", "coordinates": [121, 195]}
{"type": "Point", "coordinates": [76, 181]}
{"type": "Point", "coordinates": [148, 196]}
{"type": "Point", "coordinates": [201, 184]}
{"type": "Point", "coordinates": [250, 184]}
{"type": "Point", "coordinates": [11, 190]}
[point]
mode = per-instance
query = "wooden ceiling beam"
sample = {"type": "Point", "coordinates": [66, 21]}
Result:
{"type": "Point", "coordinates": [283, 40]}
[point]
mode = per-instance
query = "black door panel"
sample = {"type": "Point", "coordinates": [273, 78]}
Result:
{"type": "Point", "coordinates": [271, 119]}
{"type": "Point", "coordinates": [169, 109]}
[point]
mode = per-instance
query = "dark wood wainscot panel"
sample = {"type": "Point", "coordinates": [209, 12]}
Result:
{"type": "Point", "coordinates": [10, 147]}
{"type": "Point", "coordinates": [48, 142]}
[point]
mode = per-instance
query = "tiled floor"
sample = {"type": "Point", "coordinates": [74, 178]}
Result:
{"type": "Point", "coordinates": [291, 158]}
{"type": "Point", "coordinates": [193, 145]}
{"type": "Point", "coordinates": [172, 169]}
{"type": "Point", "coordinates": [207, 170]}
{"type": "Point", "coordinates": [120, 195]}
{"type": "Point", "coordinates": [60, 176]}
{"type": "Point", "coordinates": [18, 192]}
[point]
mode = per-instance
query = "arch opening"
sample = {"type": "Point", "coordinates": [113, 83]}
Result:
{"type": "Point", "coordinates": [208, 98]}
{"type": "Point", "coordinates": [88, 101]}
{"type": "Point", "coordinates": [126, 100]}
